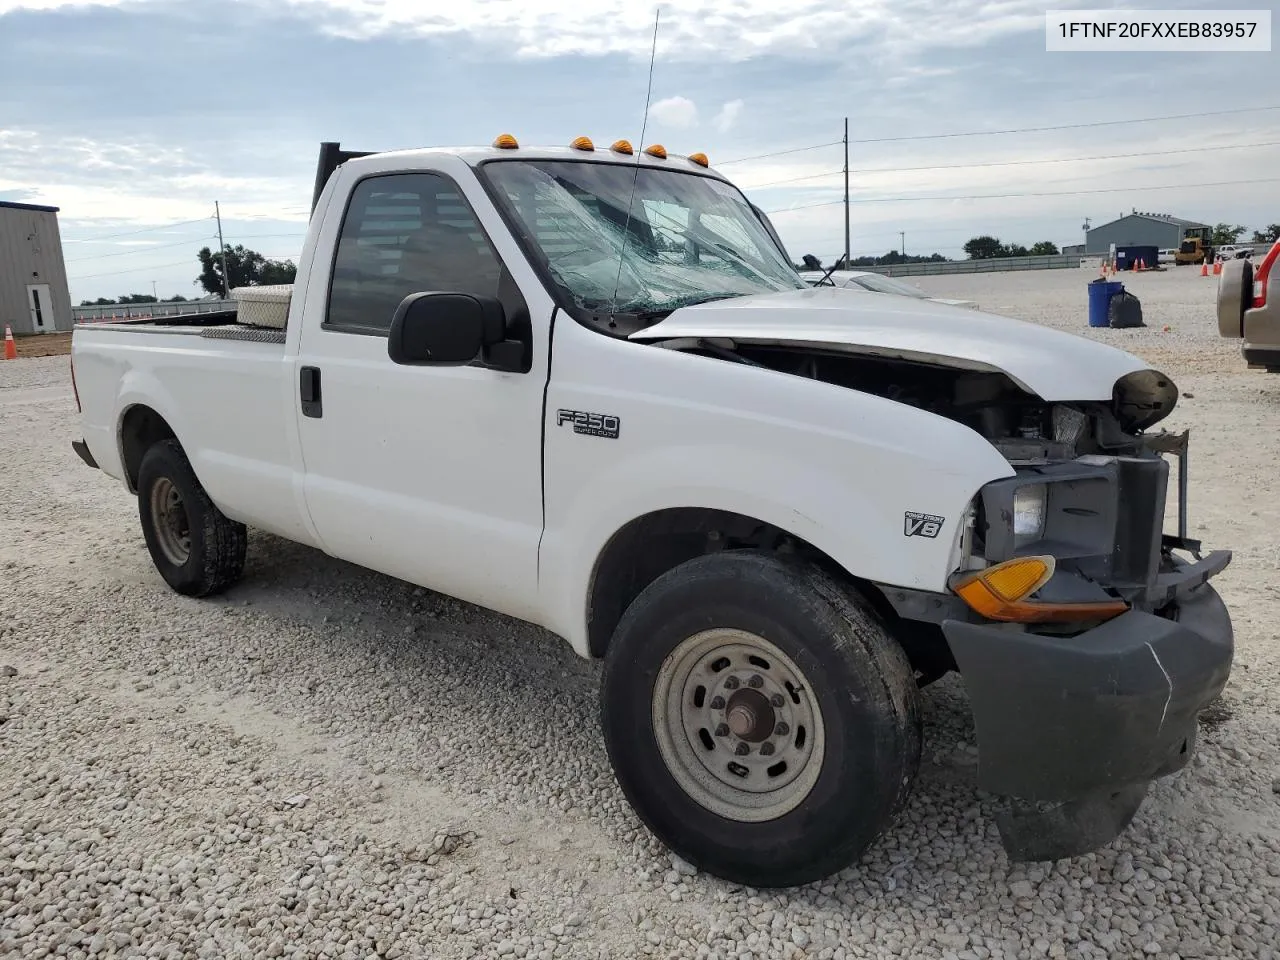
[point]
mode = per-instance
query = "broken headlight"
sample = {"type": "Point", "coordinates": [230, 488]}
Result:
{"type": "Point", "coordinates": [1029, 513]}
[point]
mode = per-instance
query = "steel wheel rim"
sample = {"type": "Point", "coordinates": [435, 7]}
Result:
{"type": "Point", "coordinates": [738, 725]}
{"type": "Point", "coordinates": [170, 522]}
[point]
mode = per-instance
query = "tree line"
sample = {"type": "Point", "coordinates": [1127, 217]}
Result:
{"type": "Point", "coordinates": [245, 268]}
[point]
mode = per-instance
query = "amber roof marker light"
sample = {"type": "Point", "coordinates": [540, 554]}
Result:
{"type": "Point", "coordinates": [622, 146]}
{"type": "Point", "coordinates": [582, 143]}
{"type": "Point", "coordinates": [656, 150]}
{"type": "Point", "coordinates": [700, 159]}
{"type": "Point", "coordinates": [505, 141]}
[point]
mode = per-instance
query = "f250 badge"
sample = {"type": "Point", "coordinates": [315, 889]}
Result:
{"type": "Point", "coordinates": [923, 525]}
{"type": "Point", "coordinates": [590, 424]}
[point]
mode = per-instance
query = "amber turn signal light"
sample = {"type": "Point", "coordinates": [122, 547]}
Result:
{"type": "Point", "coordinates": [1000, 593]}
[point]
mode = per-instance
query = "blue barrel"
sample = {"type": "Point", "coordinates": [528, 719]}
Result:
{"type": "Point", "coordinates": [1100, 294]}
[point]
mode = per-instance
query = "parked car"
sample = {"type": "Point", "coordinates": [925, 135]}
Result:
{"type": "Point", "coordinates": [878, 283]}
{"type": "Point", "coordinates": [1168, 256]}
{"type": "Point", "coordinates": [1233, 251]}
{"type": "Point", "coordinates": [774, 511]}
{"type": "Point", "coordinates": [1247, 311]}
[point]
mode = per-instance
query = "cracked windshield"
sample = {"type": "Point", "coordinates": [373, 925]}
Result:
{"type": "Point", "coordinates": [686, 239]}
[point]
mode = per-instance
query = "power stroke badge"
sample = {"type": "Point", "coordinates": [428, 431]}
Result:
{"type": "Point", "coordinates": [590, 424]}
{"type": "Point", "coordinates": [922, 525]}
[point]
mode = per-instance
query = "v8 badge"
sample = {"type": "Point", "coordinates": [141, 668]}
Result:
{"type": "Point", "coordinates": [922, 525]}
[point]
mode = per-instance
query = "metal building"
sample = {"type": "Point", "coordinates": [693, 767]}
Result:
{"type": "Point", "coordinates": [1140, 229]}
{"type": "Point", "coordinates": [33, 278]}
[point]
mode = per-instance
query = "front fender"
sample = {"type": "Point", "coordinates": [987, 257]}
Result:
{"type": "Point", "coordinates": [858, 518]}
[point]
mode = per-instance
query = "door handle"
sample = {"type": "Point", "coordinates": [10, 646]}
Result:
{"type": "Point", "coordinates": [309, 391]}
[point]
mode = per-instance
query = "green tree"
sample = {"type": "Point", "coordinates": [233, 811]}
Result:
{"type": "Point", "coordinates": [1270, 235]}
{"type": "Point", "coordinates": [245, 268]}
{"type": "Point", "coordinates": [1226, 233]}
{"type": "Point", "coordinates": [100, 302]}
{"type": "Point", "coordinates": [176, 298]}
{"type": "Point", "coordinates": [1045, 248]}
{"type": "Point", "coordinates": [985, 248]}
{"type": "Point", "coordinates": [136, 298]}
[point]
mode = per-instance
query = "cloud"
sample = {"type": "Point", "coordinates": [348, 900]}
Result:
{"type": "Point", "coordinates": [674, 112]}
{"type": "Point", "coordinates": [690, 31]}
{"type": "Point", "coordinates": [728, 116]}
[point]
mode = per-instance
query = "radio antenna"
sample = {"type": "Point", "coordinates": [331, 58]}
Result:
{"type": "Point", "coordinates": [635, 179]}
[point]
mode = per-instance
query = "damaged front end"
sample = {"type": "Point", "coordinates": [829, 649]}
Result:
{"type": "Point", "coordinates": [1087, 669]}
{"type": "Point", "coordinates": [1091, 687]}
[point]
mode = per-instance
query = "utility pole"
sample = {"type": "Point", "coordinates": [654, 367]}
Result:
{"type": "Point", "coordinates": [154, 295]}
{"type": "Point", "coordinates": [846, 193]}
{"type": "Point", "coordinates": [903, 235]}
{"type": "Point", "coordinates": [226, 278]}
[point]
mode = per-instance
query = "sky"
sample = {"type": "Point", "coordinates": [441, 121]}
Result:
{"type": "Point", "coordinates": [135, 116]}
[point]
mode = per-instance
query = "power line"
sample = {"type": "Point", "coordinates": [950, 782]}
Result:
{"type": "Point", "coordinates": [1011, 196]}
{"type": "Point", "coordinates": [995, 133]}
{"type": "Point", "coordinates": [1066, 126]}
{"type": "Point", "coordinates": [127, 253]}
{"type": "Point", "coordinates": [781, 153]}
{"type": "Point", "coordinates": [112, 273]}
{"type": "Point", "coordinates": [131, 233]}
{"type": "Point", "coordinates": [1016, 163]}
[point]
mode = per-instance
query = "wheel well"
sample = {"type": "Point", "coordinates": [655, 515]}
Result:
{"type": "Point", "coordinates": [649, 546]}
{"type": "Point", "coordinates": [141, 428]}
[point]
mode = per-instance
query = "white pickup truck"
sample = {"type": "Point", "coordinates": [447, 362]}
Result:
{"type": "Point", "coordinates": [585, 387]}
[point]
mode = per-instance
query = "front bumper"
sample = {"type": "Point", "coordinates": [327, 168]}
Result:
{"type": "Point", "coordinates": [1084, 723]}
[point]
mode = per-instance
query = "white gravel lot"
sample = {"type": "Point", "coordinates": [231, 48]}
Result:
{"type": "Point", "coordinates": [155, 751]}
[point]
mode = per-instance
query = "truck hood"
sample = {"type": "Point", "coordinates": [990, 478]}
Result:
{"type": "Point", "coordinates": [1053, 365]}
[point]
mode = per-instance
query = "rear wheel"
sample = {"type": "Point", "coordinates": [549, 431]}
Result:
{"type": "Point", "coordinates": [196, 548]}
{"type": "Point", "coordinates": [759, 717]}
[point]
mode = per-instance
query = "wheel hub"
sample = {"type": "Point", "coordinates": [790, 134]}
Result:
{"type": "Point", "coordinates": [170, 522]}
{"type": "Point", "coordinates": [750, 716]}
{"type": "Point", "coordinates": [737, 725]}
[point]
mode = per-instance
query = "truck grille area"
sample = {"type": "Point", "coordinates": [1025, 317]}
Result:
{"type": "Point", "coordinates": [1104, 519]}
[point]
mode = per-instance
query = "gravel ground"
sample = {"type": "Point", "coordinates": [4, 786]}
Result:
{"type": "Point", "coordinates": [330, 763]}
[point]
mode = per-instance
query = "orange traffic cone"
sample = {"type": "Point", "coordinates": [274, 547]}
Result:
{"type": "Point", "coordinates": [1217, 267]}
{"type": "Point", "coordinates": [10, 345]}
{"type": "Point", "coordinates": [1204, 268]}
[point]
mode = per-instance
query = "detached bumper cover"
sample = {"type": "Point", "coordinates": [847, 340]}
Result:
{"type": "Point", "coordinates": [1087, 721]}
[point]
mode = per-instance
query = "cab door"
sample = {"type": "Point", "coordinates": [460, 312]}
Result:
{"type": "Point", "coordinates": [428, 473]}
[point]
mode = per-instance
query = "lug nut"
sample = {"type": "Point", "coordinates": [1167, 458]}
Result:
{"type": "Point", "coordinates": [717, 703]}
{"type": "Point", "coordinates": [722, 730]}
{"type": "Point", "coordinates": [731, 683]}
{"type": "Point", "coordinates": [777, 700]}
{"type": "Point", "coordinates": [766, 749]}
{"type": "Point", "coordinates": [756, 681]}
{"type": "Point", "coordinates": [742, 749]}
{"type": "Point", "coordinates": [781, 730]}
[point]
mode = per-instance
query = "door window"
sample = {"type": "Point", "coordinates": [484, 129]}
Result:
{"type": "Point", "coordinates": [403, 234]}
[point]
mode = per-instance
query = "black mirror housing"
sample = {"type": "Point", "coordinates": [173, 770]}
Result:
{"type": "Point", "coordinates": [444, 328]}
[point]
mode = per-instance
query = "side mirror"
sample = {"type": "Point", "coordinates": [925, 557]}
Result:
{"type": "Point", "coordinates": [444, 328]}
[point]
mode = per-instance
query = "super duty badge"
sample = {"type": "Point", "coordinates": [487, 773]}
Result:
{"type": "Point", "coordinates": [923, 525]}
{"type": "Point", "coordinates": [590, 424]}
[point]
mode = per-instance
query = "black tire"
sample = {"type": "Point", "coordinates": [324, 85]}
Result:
{"type": "Point", "coordinates": [863, 686]}
{"type": "Point", "coordinates": [215, 545]}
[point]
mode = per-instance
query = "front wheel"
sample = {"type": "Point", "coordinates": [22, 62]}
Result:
{"type": "Point", "coordinates": [760, 718]}
{"type": "Point", "coordinates": [197, 549]}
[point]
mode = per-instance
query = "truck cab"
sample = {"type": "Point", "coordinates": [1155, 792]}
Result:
{"type": "Point", "coordinates": [586, 387]}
